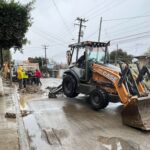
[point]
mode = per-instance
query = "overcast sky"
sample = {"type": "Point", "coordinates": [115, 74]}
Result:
{"type": "Point", "coordinates": [53, 25]}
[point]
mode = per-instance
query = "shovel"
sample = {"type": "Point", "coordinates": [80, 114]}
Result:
{"type": "Point", "coordinates": [137, 113]}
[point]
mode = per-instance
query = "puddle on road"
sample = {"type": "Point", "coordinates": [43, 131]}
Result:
{"type": "Point", "coordinates": [24, 98]}
{"type": "Point", "coordinates": [23, 101]}
{"type": "Point", "coordinates": [116, 143]}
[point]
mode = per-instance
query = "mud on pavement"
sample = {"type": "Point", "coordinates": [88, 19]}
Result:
{"type": "Point", "coordinates": [70, 124]}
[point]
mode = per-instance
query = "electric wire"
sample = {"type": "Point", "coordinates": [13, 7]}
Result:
{"type": "Point", "coordinates": [61, 17]}
{"type": "Point", "coordinates": [126, 29]}
{"type": "Point", "coordinates": [97, 14]}
{"type": "Point", "coordinates": [127, 18]}
{"type": "Point", "coordinates": [129, 39]}
{"type": "Point", "coordinates": [100, 9]}
{"type": "Point", "coordinates": [52, 35]}
{"type": "Point", "coordinates": [48, 38]}
{"type": "Point", "coordinates": [95, 8]}
{"type": "Point", "coordinates": [129, 29]}
{"type": "Point", "coordinates": [131, 35]}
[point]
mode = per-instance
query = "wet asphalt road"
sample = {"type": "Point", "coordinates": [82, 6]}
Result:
{"type": "Point", "coordinates": [70, 124]}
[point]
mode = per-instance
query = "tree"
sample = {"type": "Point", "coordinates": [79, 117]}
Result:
{"type": "Point", "coordinates": [15, 20]}
{"type": "Point", "coordinates": [120, 55]}
{"type": "Point", "coordinates": [7, 56]}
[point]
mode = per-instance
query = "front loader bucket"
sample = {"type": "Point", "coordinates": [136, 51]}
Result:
{"type": "Point", "coordinates": [137, 113]}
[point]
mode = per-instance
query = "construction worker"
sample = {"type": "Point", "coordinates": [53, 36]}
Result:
{"type": "Point", "coordinates": [38, 75]}
{"type": "Point", "coordinates": [5, 71]}
{"type": "Point", "coordinates": [25, 78]}
{"type": "Point", "coordinates": [20, 77]}
{"type": "Point", "coordinates": [81, 61]}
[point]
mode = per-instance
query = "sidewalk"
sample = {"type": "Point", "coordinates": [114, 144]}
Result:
{"type": "Point", "coordinates": [8, 127]}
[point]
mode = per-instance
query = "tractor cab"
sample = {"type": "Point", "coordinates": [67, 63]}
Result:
{"type": "Point", "coordinates": [82, 55]}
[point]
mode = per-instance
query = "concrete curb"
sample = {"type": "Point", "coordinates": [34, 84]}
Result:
{"type": "Point", "coordinates": [23, 139]}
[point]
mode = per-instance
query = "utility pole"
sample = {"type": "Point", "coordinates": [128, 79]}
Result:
{"type": "Point", "coordinates": [100, 28]}
{"type": "Point", "coordinates": [99, 34]}
{"type": "Point", "coordinates": [80, 24]}
{"type": "Point", "coordinates": [45, 47]}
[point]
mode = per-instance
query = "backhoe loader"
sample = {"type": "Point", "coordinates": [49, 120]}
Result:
{"type": "Point", "coordinates": [93, 75]}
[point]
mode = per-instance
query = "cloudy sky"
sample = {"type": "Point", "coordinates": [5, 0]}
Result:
{"type": "Point", "coordinates": [125, 22]}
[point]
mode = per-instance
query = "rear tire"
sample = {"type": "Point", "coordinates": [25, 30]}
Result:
{"type": "Point", "coordinates": [98, 99]}
{"type": "Point", "coordinates": [69, 86]}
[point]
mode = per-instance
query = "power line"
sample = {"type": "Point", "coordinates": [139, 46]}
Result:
{"type": "Point", "coordinates": [58, 37]}
{"type": "Point", "coordinates": [93, 33]}
{"type": "Point", "coordinates": [113, 5]}
{"type": "Point", "coordinates": [135, 27]}
{"type": "Point", "coordinates": [119, 24]}
{"type": "Point", "coordinates": [129, 29]}
{"type": "Point", "coordinates": [60, 15]}
{"type": "Point", "coordinates": [115, 27]}
{"type": "Point", "coordinates": [124, 37]}
{"type": "Point", "coordinates": [49, 38]}
{"type": "Point", "coordinates": [91, 10]}
{"type": "Point", "coordinates": [127, 18]}
{"type": "Point", "coordinates": [139, 45]}
{"type": "Point", "coordinates": [131, 39]}
{"type": "Point", "coordinates": [34, 47]}
{"type": "Point", "coordinates": [99, 9]}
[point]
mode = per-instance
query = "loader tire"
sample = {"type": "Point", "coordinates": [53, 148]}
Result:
{"type": "Point", "coordinates": [69, 86]}
{"type": "Point", "coordinates": [98, 99]}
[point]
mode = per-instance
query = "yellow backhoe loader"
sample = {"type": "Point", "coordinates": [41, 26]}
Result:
{"type": "Point", "coordinates": [93, 75]}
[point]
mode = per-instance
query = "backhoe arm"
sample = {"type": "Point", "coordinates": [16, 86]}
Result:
{"type": "Point", "coordinates": [116, 79]}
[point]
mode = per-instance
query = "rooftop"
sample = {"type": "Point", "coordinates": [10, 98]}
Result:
{"type": "Point", "coordinates": [146, 55]}
{"type": "Point", "coordinates": [89, 43]}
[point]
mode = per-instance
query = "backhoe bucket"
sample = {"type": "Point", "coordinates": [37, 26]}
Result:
{"type": "Point", "coordinates": [137, 113]}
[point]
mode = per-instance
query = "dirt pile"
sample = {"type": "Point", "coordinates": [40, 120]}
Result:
{"type": "Point", "coordinates": [32, 89]}
{"type": "Point", "coordinates": [11, 114]}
